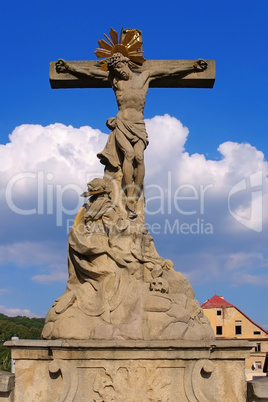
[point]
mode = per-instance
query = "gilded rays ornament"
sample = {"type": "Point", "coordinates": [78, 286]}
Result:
{"type": "Point", "coordinates": [129, 44]}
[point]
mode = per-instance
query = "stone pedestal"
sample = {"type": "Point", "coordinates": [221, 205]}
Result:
{"type": "Point", "coordinates": [126, 371]}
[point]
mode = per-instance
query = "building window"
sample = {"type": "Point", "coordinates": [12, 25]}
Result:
{"type": "Point", "coordinates": [258, 347]}
{"type": "Point", "coordinates": [219, 330]}
{"type": "Point", "coordinates": [218, 312]}
{"type": "Point", "coordinates": [257, 366]}
{"type": "Point", "coordinates": [257, 332]}
{"type": "Point", "coordinates": [238, 329]}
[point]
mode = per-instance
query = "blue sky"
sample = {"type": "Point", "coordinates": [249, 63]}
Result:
{"type": "Point", "coordinates": [202, 141]}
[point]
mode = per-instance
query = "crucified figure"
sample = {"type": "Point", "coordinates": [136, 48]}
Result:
{"type": "Point", "coordinates": [127, 141]}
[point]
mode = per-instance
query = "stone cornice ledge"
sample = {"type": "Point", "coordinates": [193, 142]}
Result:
{"type": "Point", "coordinates": [129, 344]}
{"type": "Point", "coordinates": [128, 349]}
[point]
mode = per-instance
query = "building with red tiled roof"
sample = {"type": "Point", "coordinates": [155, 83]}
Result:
{"type": "Point", "coordinates": [229, 322]}
{"type": "Point", "coordinates": [216, 301]}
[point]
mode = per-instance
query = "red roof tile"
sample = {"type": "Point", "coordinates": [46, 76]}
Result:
{"type": "Point", "coordinates": [216, 301]}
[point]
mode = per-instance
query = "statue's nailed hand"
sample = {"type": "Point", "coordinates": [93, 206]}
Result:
{"type": "Point", "coordinates": [200, 65]}
{"type": "Point", "coordinates": [61, 66]}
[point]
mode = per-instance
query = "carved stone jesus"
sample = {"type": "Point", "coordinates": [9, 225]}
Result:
{"type": "Point", "coordinates": [128, 139]}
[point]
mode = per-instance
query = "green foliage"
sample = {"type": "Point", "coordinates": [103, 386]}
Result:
{"type": "Point", "coordinates": [24, 327]}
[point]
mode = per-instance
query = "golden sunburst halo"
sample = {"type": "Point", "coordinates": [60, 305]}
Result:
{"type": "Point", "coordinates": [129, 44]}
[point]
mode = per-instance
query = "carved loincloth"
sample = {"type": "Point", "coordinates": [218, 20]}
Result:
{"type": "Point", "coordinates": [133, 132]}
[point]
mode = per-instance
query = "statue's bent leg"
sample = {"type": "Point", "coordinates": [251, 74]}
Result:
{"type": "Point", "coordinates": [140, 170]}
{"type": "Point", "coordinates": [127, 168]}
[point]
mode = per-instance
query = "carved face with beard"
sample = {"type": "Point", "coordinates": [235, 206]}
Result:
{"type": "Point", "coordinates": [118, 65]}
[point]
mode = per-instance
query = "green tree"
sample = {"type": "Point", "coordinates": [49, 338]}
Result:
{"type": "Point", "coordinates": [24, 327]}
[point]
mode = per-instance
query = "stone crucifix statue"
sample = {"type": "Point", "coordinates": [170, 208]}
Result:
{"type": "Point", "coordinates": [122, 70]}
{"type": "Point", "coordinates": [119, 287]}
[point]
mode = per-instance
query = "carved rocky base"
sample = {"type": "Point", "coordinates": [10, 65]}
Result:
{"type": "Point", "coordinates": [126, 371]}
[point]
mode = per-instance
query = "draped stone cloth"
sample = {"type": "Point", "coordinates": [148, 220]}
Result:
{"type": "Point", "coordinates": [133, 132]}
{"type": "Point", "coordinates": [89, 258]}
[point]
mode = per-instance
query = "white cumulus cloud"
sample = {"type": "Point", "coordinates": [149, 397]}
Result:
{"type": "Point", "coordinates": [54, 273]}
{"type": "Point", "coordinates": [14, 312]}
{"type": "Point", "coordinates": [26, 254]}
{"type": "Point", "coordinates": [60, 159]}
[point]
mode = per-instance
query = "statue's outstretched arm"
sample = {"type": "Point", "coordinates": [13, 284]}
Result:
{"type": "Point", "coordinates": [63, 67]}
{"type": "Point", "coordinates": [198, 65]}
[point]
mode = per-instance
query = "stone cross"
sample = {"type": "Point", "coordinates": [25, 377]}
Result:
{"type": "Point", "coordinates": [191, 80]}
{"type": "Point", "coordinates": [129, 75]}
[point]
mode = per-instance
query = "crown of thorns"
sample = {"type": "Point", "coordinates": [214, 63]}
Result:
{"type": "Point", "coordinates": [115, 59]}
